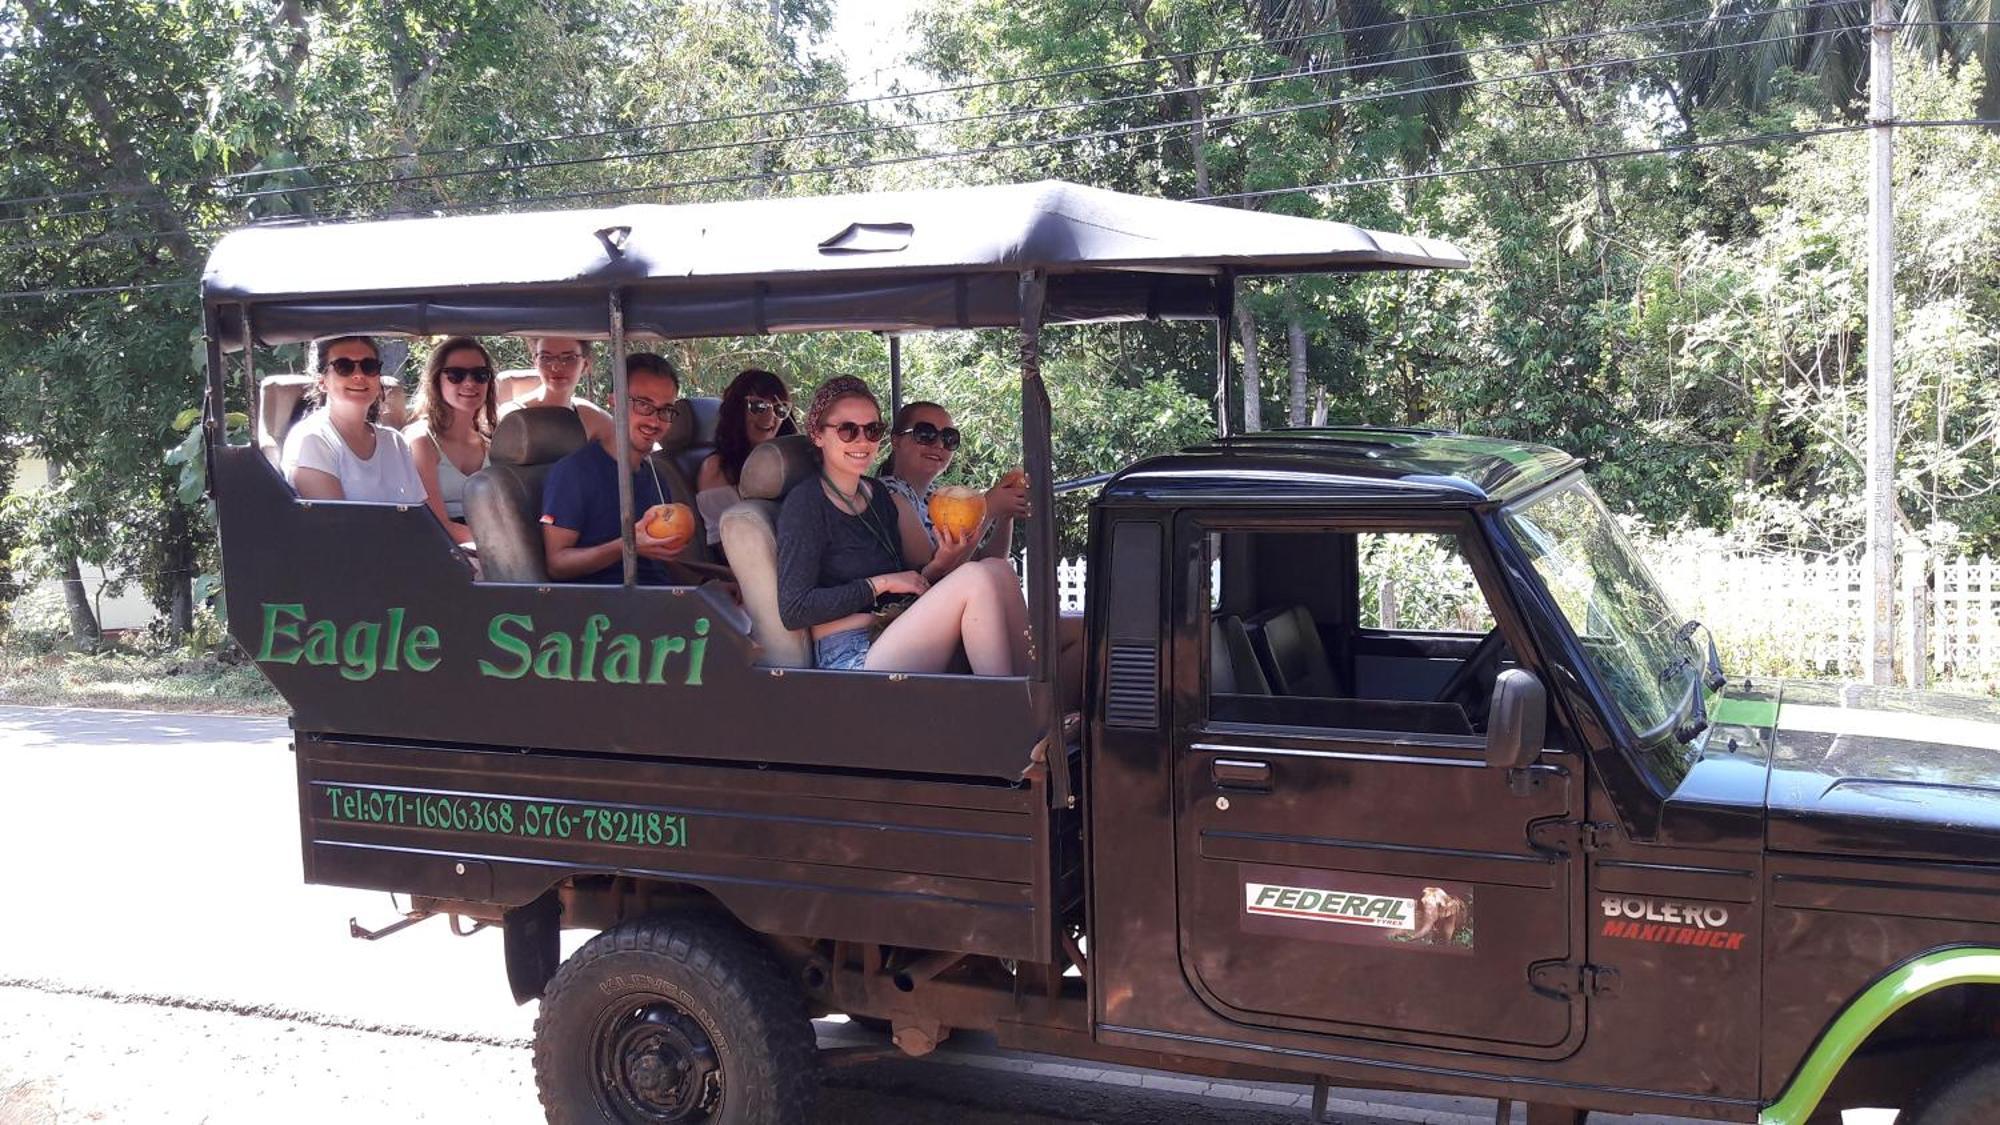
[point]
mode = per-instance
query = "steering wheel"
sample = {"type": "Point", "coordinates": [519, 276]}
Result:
{"type": "Point", "coordinates": [1469, 683]}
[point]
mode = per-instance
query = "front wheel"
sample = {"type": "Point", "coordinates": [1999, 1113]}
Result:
{"type": "Point", "coordinates": [1968, 1095]}
{"type": "Point", "coordinates": [674, 1021]}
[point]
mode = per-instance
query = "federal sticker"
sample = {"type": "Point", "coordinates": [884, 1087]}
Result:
{"type": "Point", "coordinates": [1340, 907]}
{"type": "Point", "coordinates": [1381, 911]}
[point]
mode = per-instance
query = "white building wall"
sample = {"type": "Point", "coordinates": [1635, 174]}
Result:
{"type": "Point", "coordinates": [126, 610]}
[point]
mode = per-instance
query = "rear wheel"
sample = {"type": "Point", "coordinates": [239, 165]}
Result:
{"type": "Point", "coordinates": [678, 1021]}
{"type": "Point", "coordinates": [1967, 1095]}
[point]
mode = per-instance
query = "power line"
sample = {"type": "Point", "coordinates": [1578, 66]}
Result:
{"type": "Point", "coordinates": [1108, 134]}
{"type": "Point", "coordinates": [1409, 89]}
{"type": "Point", "coordinates": [1368, 63]}
{"type": "Point", "coordinates": [849, 103]}
{"type": "Point", "coordinates": [94, 290]}
{"type": "Point", "coordinates": [1414, 88]}
{"type": "Point", "coordinates": [1557, 161]}
{"type": "Point", "coordinates": [1687, 146]}
{"type": "Point", "coordinates": [966, 87]}
{"type": "Point", "coordinates": [1372, 62]}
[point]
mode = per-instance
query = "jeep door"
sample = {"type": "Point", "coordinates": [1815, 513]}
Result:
{"type": "Point", "coordinates": [1347, 862]}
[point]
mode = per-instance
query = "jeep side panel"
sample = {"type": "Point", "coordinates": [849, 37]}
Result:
{"type": "Point", "coordinates": [922, 864]}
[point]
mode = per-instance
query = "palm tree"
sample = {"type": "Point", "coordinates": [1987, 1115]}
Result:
{"type": "Point", "coordinates": [1754, 40]}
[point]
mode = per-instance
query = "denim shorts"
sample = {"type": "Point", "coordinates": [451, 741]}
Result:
{"type": "Point", "coordinates": [842, 651]}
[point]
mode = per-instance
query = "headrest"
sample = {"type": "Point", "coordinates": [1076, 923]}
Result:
{"type": "Point", "coordinates": [395, 410]}
{"type": "Point", "coordinates": [515, 382]}
{"type": "Point", "coordinates": [693, 426]}
{"type": "Point", "coordinates": [537, 435]}
{"type": "Point", "coordinates": [777, 466]}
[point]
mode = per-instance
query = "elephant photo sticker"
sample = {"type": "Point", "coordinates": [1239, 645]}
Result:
{"type": "Point", "coordinates": [1442, 918]}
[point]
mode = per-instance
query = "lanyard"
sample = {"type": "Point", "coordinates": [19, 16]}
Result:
{"type": "Point", "coordinates": [865, 511]}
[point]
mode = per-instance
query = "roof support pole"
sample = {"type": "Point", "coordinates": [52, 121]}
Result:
{"type": "Point", "coordinates": [895, 375]}
{"type": "Point", "coordinates": [250, 359]}
{"type": "Point", "coordinates": [621, 422]}
{"type": "Point", "coordinates": [1044, 611]}
{"type": "Point", "coordinates": [214, 401]}
{"type": "Point", "coordinates": [1225, 318]}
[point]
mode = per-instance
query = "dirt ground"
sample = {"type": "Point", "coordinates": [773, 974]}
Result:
{"type": "Point", "coordinates": [67, 1058]}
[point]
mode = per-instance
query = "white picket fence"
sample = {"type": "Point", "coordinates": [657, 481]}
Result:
{"type": "Point", "coordinates": [1800, 615]}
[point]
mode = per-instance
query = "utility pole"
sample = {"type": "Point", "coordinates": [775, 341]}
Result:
{"type": "Point", "coordinates": [1880, 583]}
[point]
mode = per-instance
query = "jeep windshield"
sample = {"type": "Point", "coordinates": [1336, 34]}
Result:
{"type": "Point", "coordinates": [1628, 632]}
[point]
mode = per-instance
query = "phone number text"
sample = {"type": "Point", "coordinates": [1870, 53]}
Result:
{"type": "Point", "coordinates": [503, 816]}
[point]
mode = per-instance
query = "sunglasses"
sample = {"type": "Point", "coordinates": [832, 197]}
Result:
{"type": "Point", "coordinates": [345, 366]}
{"type": "Point", "coordinates": [928, 434]}
{"type": "Point", "coordinates": [457, 375]}
{"type": "Point", "coordinates": [758, 406]}
{"type": "Point", "coordinates": [855, 431]}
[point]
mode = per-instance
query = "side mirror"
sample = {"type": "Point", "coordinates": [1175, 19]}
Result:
{"type": "Point", "coordinates": [1517, 723]}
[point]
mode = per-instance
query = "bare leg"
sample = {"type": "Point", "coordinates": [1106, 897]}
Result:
{"type": "Point", "coordinates": [1069, 660]}
{"type": "Point", "coordinates": [966, 607]}
{"type": "Point", "coordinates": [1017, 610]}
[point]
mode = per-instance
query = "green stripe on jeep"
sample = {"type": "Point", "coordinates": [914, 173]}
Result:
{"type": "Point", "coordinates": [1867, 1012]}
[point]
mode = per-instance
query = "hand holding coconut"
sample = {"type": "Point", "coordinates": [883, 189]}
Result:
{"type": "Point", "coordinates": [664, 531]}
{"type": "Point", "coordinates": [1008, 498]}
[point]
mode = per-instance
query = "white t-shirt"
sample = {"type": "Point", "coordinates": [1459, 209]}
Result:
{"type": "Point", "coordinates": [388, 477]}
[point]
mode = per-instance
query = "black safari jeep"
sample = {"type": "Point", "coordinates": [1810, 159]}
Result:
{"type": "Point", "coordinates": [1394, 768]}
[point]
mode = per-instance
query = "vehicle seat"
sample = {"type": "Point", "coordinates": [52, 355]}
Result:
{"type": "Point", "coordinates": [395, 407]}
{"type": "Point", "coordinates": [512, 384]}
{"type": "Point", "coordinates": [1288, 645]}
{"type": "Point", "coordinates": [692, 437]}
{"type": "Point", "coordinates": [750, 539]}
{"type": "Point", "coordinates": [503, 502]}
{"type": "Point", "coordinates": [1232, 665]}
{"type": "Point", "coordinates": [278, 399]}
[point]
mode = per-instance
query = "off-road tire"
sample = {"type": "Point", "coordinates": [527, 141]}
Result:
{"type": "Point", "coordinates": [1966, 1095]}
{"type": "Point", "coordinates": [682, 969]}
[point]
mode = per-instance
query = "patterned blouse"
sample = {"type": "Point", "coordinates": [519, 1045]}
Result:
{"type": "Point", "coordinates": [922, 504]}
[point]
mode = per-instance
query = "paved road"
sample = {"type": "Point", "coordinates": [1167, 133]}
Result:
{"type": "Point", "coordinates": [216, 987]}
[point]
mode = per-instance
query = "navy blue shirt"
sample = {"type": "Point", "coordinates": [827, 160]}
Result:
{"type": "Point", "coordinates": [581, 495]}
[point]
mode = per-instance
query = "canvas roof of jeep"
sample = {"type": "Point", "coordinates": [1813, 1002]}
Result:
{"type": "Point", "coordinates": [883, 261]}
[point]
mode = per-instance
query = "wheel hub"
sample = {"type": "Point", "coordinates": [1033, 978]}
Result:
{"type": "Point", "coordinates": [660, 1067]}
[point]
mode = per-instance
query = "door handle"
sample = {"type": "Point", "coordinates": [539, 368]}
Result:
{"type": "Point", "coordinates": [1232, 773]}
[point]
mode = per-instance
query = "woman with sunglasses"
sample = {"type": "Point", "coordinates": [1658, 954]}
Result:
{"type": "Point", "coordinates": [338, 452]}
{"type": "Point", "coordinates": [843, 549]}
{"type": "Point", "coordinates": [453, 427]}
{"type": "Point", "coordinates": [921, 446]}
{"type": "Point", "coordinates": [755, 408]}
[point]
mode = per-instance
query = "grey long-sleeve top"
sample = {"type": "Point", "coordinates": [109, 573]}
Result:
{"type": "Point", "coordinates": [826, 556]}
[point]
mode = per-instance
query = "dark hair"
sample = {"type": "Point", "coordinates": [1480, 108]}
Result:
{"type": "Point", "coordinates": [316, 394]}
{"type": "Point", "coordinates": [732, 436]}
{"type": "Point", "coordinates": [431, 406]}
{"type": "Point", "coordinates": [900, 423]}
{"type": "Point", "coordinates": [328, 345]}
{"type": "Point", "coordinates": [902, 419]}
{"type": "Point", "coordinates": [652, 363]}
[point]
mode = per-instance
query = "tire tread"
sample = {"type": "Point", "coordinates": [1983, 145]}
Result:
{"type": "Point", "coordinates": [740, 979]}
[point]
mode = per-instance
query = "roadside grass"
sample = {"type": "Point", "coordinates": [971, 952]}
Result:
{"type": "Point", "coordinates": [164, 681]}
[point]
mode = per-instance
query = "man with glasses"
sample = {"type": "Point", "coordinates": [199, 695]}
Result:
{"type": "Point", "coordinates": [561, 362]}
{"type": "Point", "coordinates": [581, 537]}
